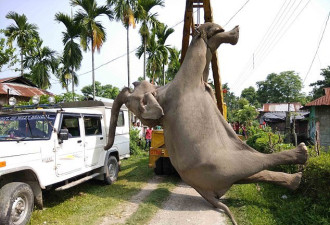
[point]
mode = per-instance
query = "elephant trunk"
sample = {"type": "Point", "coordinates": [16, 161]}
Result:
{"type": "Point", "coordinates": [119, 101]}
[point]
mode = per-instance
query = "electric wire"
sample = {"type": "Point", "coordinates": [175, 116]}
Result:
{"type": "Point", "coordinates": [317, 49]}
{"type": "Point", "coordinates": [236, 12]}
{"type": "Point", "coordinates": [269, 47]}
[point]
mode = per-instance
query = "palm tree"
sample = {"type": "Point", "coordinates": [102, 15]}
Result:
{"type": "Point", "coordinates": [64, 74]}
{"type": "Point", "coordinates": [93, 32]}
{"type": "Point", "coordinates": [124, 11]}
{"type": "Point", "coordinates": [22, 31]}
{"type": "Point", "coordinates": [148, 21]}
{"type": "Point", "coordinates": [163, 32]}
{"type": "Point", "coordinates": [41, 60]}
{"type": "Point", "coordinates": [157, 51]}
{"type": "Point", "coordinates": [72, 55]}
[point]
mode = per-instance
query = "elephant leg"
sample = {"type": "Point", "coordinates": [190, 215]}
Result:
{"type": "Point", "coordinates": [297, 155]}
{"type": "Point", "coordinates": [212, 199]}
{"type": "Point", "coordinates": [290, 181]}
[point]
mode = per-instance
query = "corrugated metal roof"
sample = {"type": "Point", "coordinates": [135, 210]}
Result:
{"type": "Point", "coordinates": [324, 100]}
{"type": "Point", "coordinates": [21, 90]}
{"type": "Point", "coordinates": [281, 107]}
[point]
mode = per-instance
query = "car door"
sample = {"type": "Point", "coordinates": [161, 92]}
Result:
{"type": "Point", "coordinates": [93, 139]}
{"type": "Point", "coordinates": [122, 134]}
{"type": "Point", "coordinates": [70, 153]}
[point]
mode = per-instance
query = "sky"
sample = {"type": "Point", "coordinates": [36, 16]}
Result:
{"type": "Point", "coordinates": [275, 36]}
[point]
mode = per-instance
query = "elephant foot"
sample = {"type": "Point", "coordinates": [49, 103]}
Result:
{"type": "Point", "coordinates": [295, 181]}
{"type": "Point", "coordinates": [301, 153]}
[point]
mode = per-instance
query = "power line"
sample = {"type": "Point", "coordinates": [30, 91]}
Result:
{"type": "Point", "coordinates": [237, 12]}
{"type": "Point", "coordinates": [317, 49]}
{"type": "Point", "coordinates": [271, 44]}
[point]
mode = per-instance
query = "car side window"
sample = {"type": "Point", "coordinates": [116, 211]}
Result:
{"type": "Point", "coordinates": [92, 125]}
{"type": "Point", "coordinates": [121, 119]}
{"type": "Point", "coordinates": [72, 124]}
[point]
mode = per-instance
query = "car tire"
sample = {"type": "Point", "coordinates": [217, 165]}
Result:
{"type": "Point", "coordinates": [111, 170]}
{"type": "Point", "coordinates": [16, 203]}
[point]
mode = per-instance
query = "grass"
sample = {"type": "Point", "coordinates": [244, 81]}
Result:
{"type": "Point", "coordinates": [86, 203]}
{"type": "Point", "coordinates": [268, 206]}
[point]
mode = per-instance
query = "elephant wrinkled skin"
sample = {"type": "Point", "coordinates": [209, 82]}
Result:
{"type": "Point", "coordinates": [203, 148]}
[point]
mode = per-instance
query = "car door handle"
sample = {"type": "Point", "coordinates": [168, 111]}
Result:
{"type": "Point", "coordinates": [101, 138]}
{"type": "Point", "coordinates": [79, 141]}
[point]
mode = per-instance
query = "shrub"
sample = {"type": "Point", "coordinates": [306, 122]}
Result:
{"type": "Point", "coordinates": [316, 175]}
{"type": "Point", "coordinates": [135, 145]}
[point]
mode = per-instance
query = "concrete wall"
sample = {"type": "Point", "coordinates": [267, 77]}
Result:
{"type": "Point", "coordinates": [322, 115]}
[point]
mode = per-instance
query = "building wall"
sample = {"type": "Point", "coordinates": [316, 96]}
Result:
{"type": "Point", "coordinates": [322, 115]}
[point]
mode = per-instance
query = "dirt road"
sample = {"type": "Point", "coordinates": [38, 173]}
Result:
{"type": "Point", "coordinates": [186, 207]}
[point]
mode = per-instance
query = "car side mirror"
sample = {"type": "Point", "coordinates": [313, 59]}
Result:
{"type": "Point", "coordinates": [63, 135]}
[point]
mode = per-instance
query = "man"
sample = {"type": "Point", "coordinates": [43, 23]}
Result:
{"type": "Point", "coordinates": [148, 138]}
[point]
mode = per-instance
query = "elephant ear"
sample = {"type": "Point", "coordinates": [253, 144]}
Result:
{"type": "Point", "coordinates": [152, 110]}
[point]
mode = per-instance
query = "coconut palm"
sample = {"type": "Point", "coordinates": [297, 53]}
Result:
{"type": "Point", "coordinates": [22, 32]}
{"type": "Point", "coordinates": [124, 11]}
{"type": "Point", "coordinates": [72, 55]}
{"type": "Point", "coordinates": [148, 21]}
{"type": "Point", "coordinates": [93, 32]}
{"type": "Point", "coordinates": [163, 32]}
{"type": "Point", "coordinates": [157, 52]}
{"type": "Point", "coordinates": [41, 60]}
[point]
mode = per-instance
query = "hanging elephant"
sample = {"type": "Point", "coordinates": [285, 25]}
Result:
{"type": "Point", "coordinates": [203, 148]}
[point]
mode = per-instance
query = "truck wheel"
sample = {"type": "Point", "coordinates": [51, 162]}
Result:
{"type": "Point", "coordinates": [16, 203]}
{"type": "Point", "coordinates": [159, 166]}
{"type": "Point", "coordinates": [111, 170]}
{"type": "Point", "coordinates": [167, 166]}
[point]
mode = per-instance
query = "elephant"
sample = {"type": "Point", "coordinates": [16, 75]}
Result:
{"type": "Point", "coordinates": [203, 147]}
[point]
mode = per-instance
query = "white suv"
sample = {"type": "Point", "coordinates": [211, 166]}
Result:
{"type": "Point", "coordinates": [55, 148]}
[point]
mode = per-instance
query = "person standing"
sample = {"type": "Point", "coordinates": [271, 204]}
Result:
{"type": "Point", "coordinates": [148, 138]}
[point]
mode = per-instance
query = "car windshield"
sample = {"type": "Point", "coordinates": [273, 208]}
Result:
{"type": "Point", "coordinates": [26, 126]}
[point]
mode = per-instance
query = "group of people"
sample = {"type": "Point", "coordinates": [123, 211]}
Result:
{"type": "Point", "coordinates": [239, 128]}
{"type": "Point", "coordinates": [144, 133]}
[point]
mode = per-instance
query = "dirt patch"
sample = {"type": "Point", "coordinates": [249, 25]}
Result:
{"type": "Point", "coordinates": [124, 211]}
{"type": "Point", "coordinates": [185, 207]}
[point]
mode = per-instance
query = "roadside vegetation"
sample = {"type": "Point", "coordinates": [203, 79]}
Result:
{"type": "Point", "coordinates": [261, 204]}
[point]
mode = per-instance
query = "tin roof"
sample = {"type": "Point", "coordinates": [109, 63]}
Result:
{"type": "Point", "coordinates": [20, 86]}
{"type": "Point", "coordinates": [281, 107]}
{"type": "Point", "coordinates": [324, 100]}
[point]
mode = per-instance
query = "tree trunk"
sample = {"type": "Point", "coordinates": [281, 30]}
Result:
{"type": "Point", "coordinates": [128, 75]}
{"type": "Point", "coordinates": [144, 58]}
{"type": "Point", "coordinates": [22, 62]}
{"type": "Point", "coordinates": [93, 74]}
{"type": "Point", "coordinates": [72, 77]}
{"type": "Point", "coordinates": [164, 73]}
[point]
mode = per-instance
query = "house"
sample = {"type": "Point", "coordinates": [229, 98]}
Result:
{"type": "Point", "coordinates": [20, 88]}
{"type": "Point", "coordinates": [274, 115]}
{"type": "Point", "coordinates": [319, 122]}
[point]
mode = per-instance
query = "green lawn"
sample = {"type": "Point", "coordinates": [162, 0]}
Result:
{"type": "Point", "coordinates": [88, 202]}
{"type": "Point", "coordinates": [267, 205]}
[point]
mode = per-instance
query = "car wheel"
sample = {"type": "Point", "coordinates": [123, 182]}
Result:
{"type": "Point", "coordinates": [16, 203]}
{"type": "Point", "coordinates": [111, 170]}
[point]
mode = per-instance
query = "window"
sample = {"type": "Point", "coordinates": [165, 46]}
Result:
{"type": "Point", "coordinates": [26, 126]}
{"type": "Point", "coordinates": [92, 125]}
{"type": "Point", "coordinates": [72, 124]}
{"type": "Point", "coordinates": [121, 120]}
